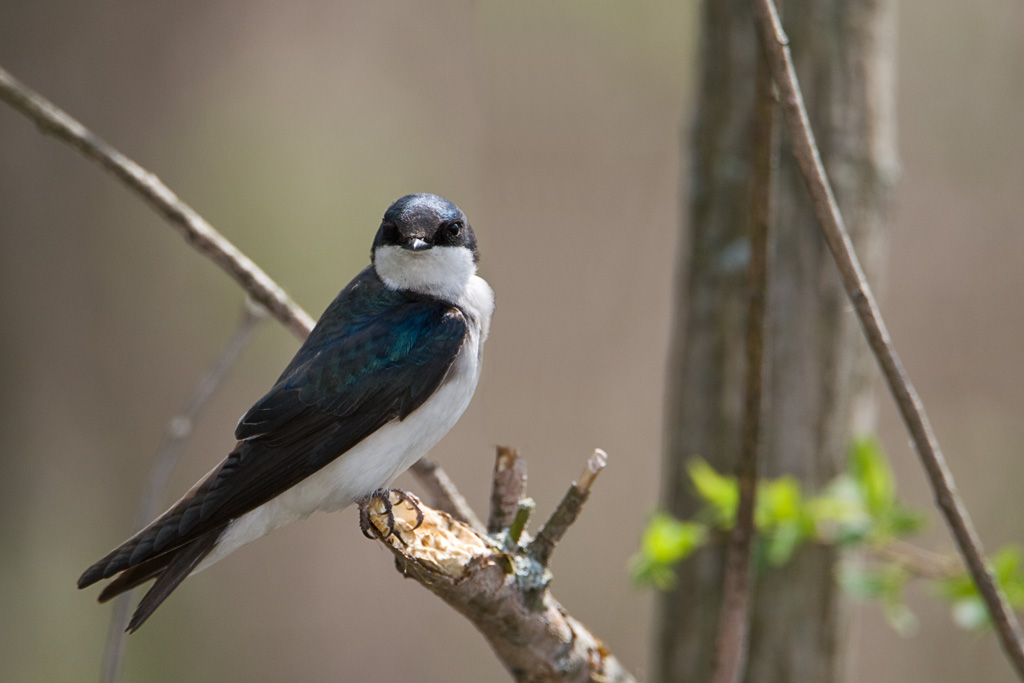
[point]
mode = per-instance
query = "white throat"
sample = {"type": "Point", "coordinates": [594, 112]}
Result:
{"type": "Point", "coordinates": [443, 272]}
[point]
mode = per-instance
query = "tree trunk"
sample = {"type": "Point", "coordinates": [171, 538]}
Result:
{"type": "Point", "coordinates": [819, 369]}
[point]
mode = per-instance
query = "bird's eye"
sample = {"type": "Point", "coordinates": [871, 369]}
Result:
{"type": "Point", "coordinates": [455, 228]}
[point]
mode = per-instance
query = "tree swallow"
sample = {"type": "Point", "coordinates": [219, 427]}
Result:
{"type": "Point", "coordinates": [387, 371]}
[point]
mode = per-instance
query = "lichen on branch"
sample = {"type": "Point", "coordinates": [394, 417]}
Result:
{"type": "Point", "coordinates": [497, 584]}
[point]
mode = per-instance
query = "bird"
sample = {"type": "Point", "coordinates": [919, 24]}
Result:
{"type": "Point", "coordinates": [387, 371]}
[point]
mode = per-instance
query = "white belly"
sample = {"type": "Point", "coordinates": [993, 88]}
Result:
{"type": "Point", "coordinates": [375, 461]}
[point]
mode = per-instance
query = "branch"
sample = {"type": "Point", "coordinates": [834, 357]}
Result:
{"type": "Point", "coordinates": [196, 231]}
{"type": "Point", "coordinates": [732, 641]}
{"type": "Point", "coordinates": [444, 494]}
{"type": "Point", "coordinates": [920, 562]}
{"type": "Point", "coordinates": [508, 488]}
{"type": "Point", "coordinates": [775, 43]}
{"type": "Point", "coordinates": [568, 509]}
{"type": "Point", "coordinates": [203, 237]}
{"type": "Point", "coordinates": [502, 590]}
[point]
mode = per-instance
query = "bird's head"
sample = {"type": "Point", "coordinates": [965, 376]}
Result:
{"type": "Point", "coordinates": [426, 245]}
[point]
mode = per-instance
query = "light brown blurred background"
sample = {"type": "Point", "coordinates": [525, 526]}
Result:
{"type": "Point", "coordinates": [556, 127]}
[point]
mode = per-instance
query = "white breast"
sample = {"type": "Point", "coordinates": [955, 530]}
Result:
{"type": "Point", "coordinates": [378, 459]}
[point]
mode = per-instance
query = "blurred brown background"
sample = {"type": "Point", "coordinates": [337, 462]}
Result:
{"type": "Point", "coordinates": [555, 126]}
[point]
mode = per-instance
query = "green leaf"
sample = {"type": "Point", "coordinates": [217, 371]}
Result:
{"type": "Point", "coordinates": [885, 584]}
{"type": "Point", "coordinates": [719, 492]}
{"type": "Point", "coordinates": [871, 472]}
{"type": "Point", "coordinates": [778, 501]}
{"type": "Point", "coordinates": [839, 513]}
{"type": "Point", "coordinates": [1006, 564]}
{"type": "Point", "coordinates": [968, 608]}
{"type": "Point", "coordinates": [667, 540]}
{"type": "Point", "coordinates": [647, 573]}
{"type": "Point", "coordinates": [862, 583]}
{"type": "Point", "coordinates": [957, 587]}
{"type": "Point", "coordinates": [900, 521]}
{"type": "Point", "coordinates": [783, 542]}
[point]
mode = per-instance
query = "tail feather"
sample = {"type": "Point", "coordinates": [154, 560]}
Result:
{"type": "Point", "coordinates": [116, 561]}
{"type": "Point", "coordinates": [169, 569]}
{"type": "Point", "coordinates": [164, 536]}
{"type": "Point", "coordinates": [130, 578]}
{"type": "Point", "coordinates": [182, 561]}
{"type": "Point", "coordinates": [176, 528]}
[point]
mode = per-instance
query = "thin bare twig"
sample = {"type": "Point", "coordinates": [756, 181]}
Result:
{"type": "Point", "coordinates": [204, 238]}
{"type": "Point", "coordinates": [443, 493]}
{"type": "Point", "coordinates": [196, 231]}
{"type": "Point", "coordinates": [737, 584]}
{"type": "Point", "coordinates": [776, 46]}
{"type": "Point", "coordinates": [920, 562]}
{"type": "Point", "coordinates": [568, 509]}
{"type": "Point", "coordinates": [508, 488]}
{"type": "Point", "coordinates": [167, 455]}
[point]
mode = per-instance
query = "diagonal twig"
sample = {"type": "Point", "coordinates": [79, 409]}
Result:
{"type": "Point", "coordinates": [178, 431]}
{"type": "Point", "coordinates": [775, 43]}
{"type": "Point", "coordinates": [443, 492]}
{"type": "Point", "coordinates": [196, 231]}
{"type": "Point", "coordinates": [568, 509]}
{"type": "Point", "coordinates": [203, 237]}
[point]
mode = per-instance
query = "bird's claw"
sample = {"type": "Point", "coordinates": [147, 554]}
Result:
{"type": "Point", "coordinates": [369, 529]}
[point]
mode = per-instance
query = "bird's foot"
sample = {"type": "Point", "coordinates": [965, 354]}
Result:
{"type": "Point", "coordinates": [369, 529]}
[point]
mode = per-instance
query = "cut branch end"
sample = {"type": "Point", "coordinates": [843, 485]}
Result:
{"type": "Point", "coordinates": [597, 461]}
{"type": "Point", "coordinates": [568, 509]}
{"type": "Point", "coordinates": [501, 590]}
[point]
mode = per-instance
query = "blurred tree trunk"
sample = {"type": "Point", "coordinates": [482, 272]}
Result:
{"type": "Point", "coordinates": [819, 371]}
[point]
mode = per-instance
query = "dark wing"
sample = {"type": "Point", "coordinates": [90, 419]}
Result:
{"type": "Point", "coordinates": [334, 400]}
{"type": "Point", "coordinates": [375, 356]}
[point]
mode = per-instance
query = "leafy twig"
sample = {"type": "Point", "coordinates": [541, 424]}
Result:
{"type": "Point", "coordinates": [776, 47]}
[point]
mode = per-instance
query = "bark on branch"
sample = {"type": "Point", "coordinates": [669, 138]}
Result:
{"type": "Point", "coordinates": [502, 588]}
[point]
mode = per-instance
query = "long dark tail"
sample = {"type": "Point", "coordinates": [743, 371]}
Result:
{"type": "Point", "coordinates": [169, 569]}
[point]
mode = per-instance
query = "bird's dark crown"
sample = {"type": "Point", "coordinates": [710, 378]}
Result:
{"type": "Point", "coordinates": [422, 221]}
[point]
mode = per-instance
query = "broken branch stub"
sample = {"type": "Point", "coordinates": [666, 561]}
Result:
{"type": "Point", "coordinates": [503, 590]}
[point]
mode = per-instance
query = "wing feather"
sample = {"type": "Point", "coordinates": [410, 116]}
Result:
{"type": "Point", "coordinates": [375, 356]}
